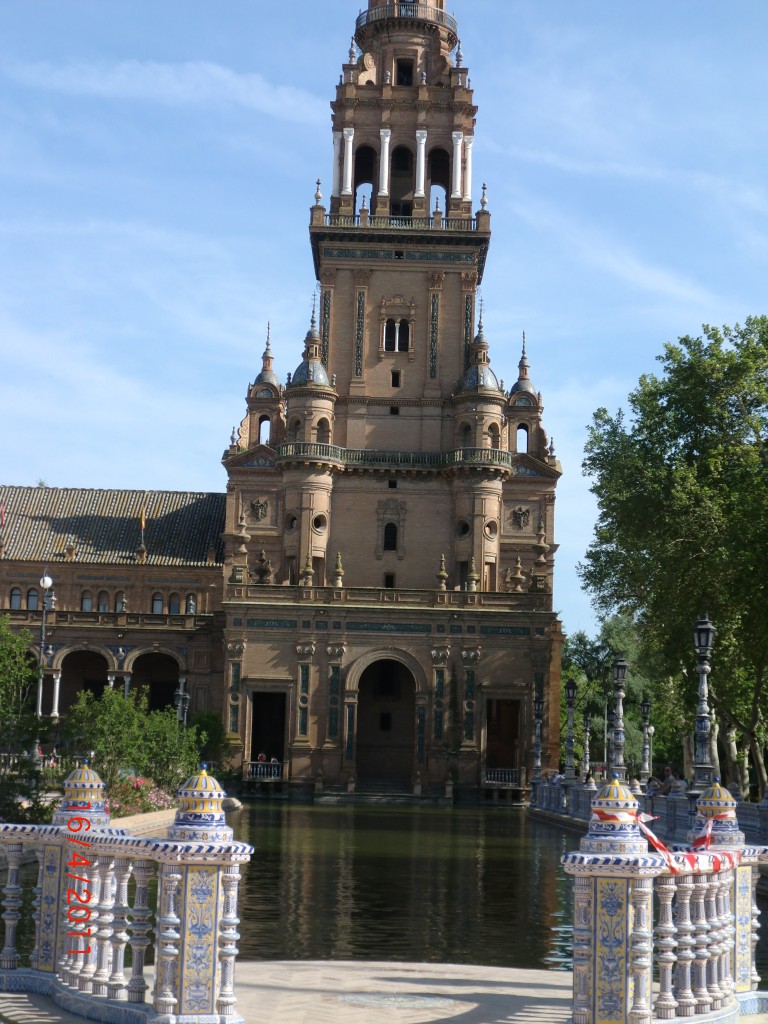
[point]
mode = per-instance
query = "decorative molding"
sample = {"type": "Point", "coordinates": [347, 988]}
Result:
{"type": "Point", "coordinates": [306, 650]}
{"type": "Point", "coordinates": [359, 333]}
{"type": "Point", "coordinates": [434, 324]}
{"type": "Point", "coordinates": [435, 280]}
{"type": "Point", "coordinates": [235, 649]}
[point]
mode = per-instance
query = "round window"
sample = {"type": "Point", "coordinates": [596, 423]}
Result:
{"type": "Point", "coordinates": [491, 528]}
{"type": "Point", "coordinates": [291, 522]}
{"type": "Point", "coordinates": [320, 523]}
{"type": "Point", "coordinates": [462, 528]}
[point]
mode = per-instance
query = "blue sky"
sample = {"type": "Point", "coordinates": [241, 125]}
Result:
{"type": "Point", "coordinates": [157, 165]}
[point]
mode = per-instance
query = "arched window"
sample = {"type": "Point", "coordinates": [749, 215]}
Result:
{"type": "Point", "coordinates": [120, 601]}
{"type": "Point", "coordinates": [157, 604]}
{"type": "Point", "coordinates": [404, 336]}
{"type": "Point", "coordinates": [465, 436]}
{"type": "Point", "coordinates": [390, 336]}
{"type": "Point", "coordinates": [190, 606]}
{"type": "Point", "coordinates": [32, 600]}
{"type": "Point", "coordinates": [86, 601]}
{"type": "Point", "coordinates": [402, 182]}
{"type": "Point", "coordinates": [294, 430]}
{"type": "Point", "coordinates": [439, 174]}
{"type": "Point", "coordinates": [103, 601]}
{"type": "Point", "coordinates": [323, 431]}
{"type": "Point", "coordinates": [15, 599]}
{"type": "Point", "coordinates": [365, 175]}
{"type": "Point", "coordinates": [265, 429]}
{"type": "Point", "coordinates": [522, 439]}
{"type": "Point", "coordinates": [493, 435]}
{"type": "Point", "coordinates": [390, 537]}
{"type": "Point", "coordinates": [174, 604]}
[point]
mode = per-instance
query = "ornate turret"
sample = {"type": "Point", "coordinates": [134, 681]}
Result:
{"type": "Point", "coordinates": [613, 827]}
{"type": "Point", "coordinates": [201, 815]}
{"type": "Point", "coordinates": [310, 370]}
{"type": "Point", "coordinates": [480, 374]}
{"type": "Point", "coordinates": [716, 805]}
{"type": "Point", "coordinates": [524, 378]}
{"type": "Point", "coordinates": [267, 375]}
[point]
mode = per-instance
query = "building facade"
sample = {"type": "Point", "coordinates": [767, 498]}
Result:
{"type": "Point", "coordinates": [374, 606]}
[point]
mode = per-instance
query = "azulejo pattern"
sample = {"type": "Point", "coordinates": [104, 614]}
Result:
{"type": "Point", "coordinates": [199, 974]}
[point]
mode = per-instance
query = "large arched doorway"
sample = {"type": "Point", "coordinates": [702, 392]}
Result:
{"type": "Point", "coordinates": [386, 723]}
{"type": "Point", "coordinates": [80, 670]}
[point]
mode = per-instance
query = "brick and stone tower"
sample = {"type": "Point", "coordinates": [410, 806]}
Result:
{"type": "Point", "coordinates": [390, 511]}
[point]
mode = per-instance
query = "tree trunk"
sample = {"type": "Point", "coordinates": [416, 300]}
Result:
{"type": "Point", "coordinates": [759, 764]}
{"type": "Point", "coordinates": [731, 752]}
{"type": "Point", "coordinates": [744, 770]}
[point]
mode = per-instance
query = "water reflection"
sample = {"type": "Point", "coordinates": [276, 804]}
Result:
{"type": "Point", "coordinates": [469, 886]}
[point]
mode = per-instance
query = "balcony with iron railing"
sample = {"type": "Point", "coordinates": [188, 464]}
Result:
{"type": "Point", "coordinates": [362, 457]}
{"type": "Point", "coordinates": [407, 10]}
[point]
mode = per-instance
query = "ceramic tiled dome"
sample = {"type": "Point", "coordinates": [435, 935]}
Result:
{"type": "Point", "coordinates": [200, 815]}
{"type": "Point", "coordinates": [717, 804]}
{"type": "Point", "coordinates": [84, 797]}
{"type": "Point", "coordinates": [613, 826]}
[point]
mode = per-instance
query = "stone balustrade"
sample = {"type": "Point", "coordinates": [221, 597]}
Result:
{"type": "Point", "coordinates": [687, 916]}
{"type": "Point", "coordinates": [92, 903]}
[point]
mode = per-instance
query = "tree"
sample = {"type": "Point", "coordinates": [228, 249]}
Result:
{"type": "Point", "coordinates": [682, 491]}
{"type": "Point", "coordinates": [18, 724]}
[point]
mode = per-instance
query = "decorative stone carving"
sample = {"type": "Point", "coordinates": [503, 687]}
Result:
{"type": "Point", "coordinates": [471, 655]}
{"type": "Point", "coordinates": [235, 649]}
{"type": "Point", "coordinates": [306, 650]}
{"type": "Point", "coordinates": [521, 517]}
{"type": "Point", "coordinates": [259, 509]}
{"type": "Point", "coordinates": [440, 655]}
{"type": "Point", "coordinates": [336, 651]}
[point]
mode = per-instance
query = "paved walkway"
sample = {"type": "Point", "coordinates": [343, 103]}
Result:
{"type": "Point", "coordinates": [333, 992]}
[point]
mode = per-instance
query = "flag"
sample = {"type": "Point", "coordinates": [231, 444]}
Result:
{"type": "Point", "coordinates": [143, 518]}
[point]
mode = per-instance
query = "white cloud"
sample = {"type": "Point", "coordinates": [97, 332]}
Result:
{"type": "Point", "coordinates": [193, 83]}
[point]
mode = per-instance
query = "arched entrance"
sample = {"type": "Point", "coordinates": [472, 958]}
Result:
{"type": "Point", "coordinates": [158, 675]}
{"type": "Point", "coordinates": [386, 723]}
{"type": "Point", "coordinates": [80, 670]}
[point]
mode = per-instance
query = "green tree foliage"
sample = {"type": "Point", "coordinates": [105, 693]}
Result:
{"type": "Point", "coordinates": [682, 491]}
{"type": "Point", "coordinates": [18, 725]}
{"type": "Point", "coordinates": [121, 735]}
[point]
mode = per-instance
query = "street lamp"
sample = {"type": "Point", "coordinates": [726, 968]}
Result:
{"type": "Point", "coordinates": [49, 601]}
{"type": "Point", "coordinates": [619, 675]}
{"type": "Point", "coordinates": [570, 700]}
{"type": "Point", "coordinates": [645, 711]}
{"type": "Point", "coordinates": [538, 712]}
{"type": "Point", "coordinates": [585, 762]}
{"type": "Point", "coordinates": [703, 637]}
{"type": "Point", "coordinates": [651, 731]}
{"type": "Point", "coordinates": [182, 701]}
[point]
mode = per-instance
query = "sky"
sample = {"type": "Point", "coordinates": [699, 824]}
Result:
{"type": "Point", "coordinates": [158, 159]}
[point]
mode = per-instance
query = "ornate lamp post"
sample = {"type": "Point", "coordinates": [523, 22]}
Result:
{"type": "Point", "coordinates": [49, 601]}
{"type": "Point", "coordinates": [570, 700]}
{"type": "Point", "coordinates": [619, 675]}
{"type": "Point", "coordinates": [182, 701]}
{"type": "Point", "coordinates": [585, 765]}
{"type": "Point", "coordinates": [538, 712]}
{"type": "Point", "coordinates": [651, 731]}
{"type": "Point", "coordinates": [703, 636]}
{"type": "Point", "coordinates": [645, 711]}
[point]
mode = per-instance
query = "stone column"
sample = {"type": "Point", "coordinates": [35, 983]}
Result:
{"type": "Point", "coordinates": [126, 684]}
{"type": "Point", "coordinates": [421, 164]}
{"type": "Point", "coordinates": [458, 143]}
{"type": "Point", "coordinates": [469, 142]}
{"type": "Point", "coordinates": [386, 137]}
{"type": "Point", "coordinates": [349, 137]}
{"type": "Point", "coordinates": [336, 165]}
{"type": "Point", "coordinates": [56, 688]}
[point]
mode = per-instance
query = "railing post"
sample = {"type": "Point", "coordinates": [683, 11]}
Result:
{"type": "Point", "coordinates": [9, 957]}
{"type": "Point", "coordinates": [612, 912]}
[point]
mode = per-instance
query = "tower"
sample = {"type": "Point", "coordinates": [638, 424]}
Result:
{"type": "Point", "coordinates": [390, 536]}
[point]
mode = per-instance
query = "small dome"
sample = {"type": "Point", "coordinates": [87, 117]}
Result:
{"type": "Point", "coordinates": [718, 806]}
{"type": "Point", "coordinates": [200, 815]}
{"type": "Point", "coordinates": [310, 371]}
{"type": "Point", "coordinates": [480, 376]}
{"type": "Point", "coordinates": [613, 826]}
{"type": "Point", "coordinates": [523, 383]}
{"type": "Point", "coordinates": [266, 374]}
{"type": "Point", "coordinates": [84, 797]}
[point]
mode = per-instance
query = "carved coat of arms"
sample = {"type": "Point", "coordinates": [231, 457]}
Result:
{"type": "Point", "coordinates": [521, 517]}
{"type": "Point", "coordinates": [260, 509]}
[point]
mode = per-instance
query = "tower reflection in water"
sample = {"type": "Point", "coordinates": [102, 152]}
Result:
{"type": "Point", "coordinates": [463, 886]}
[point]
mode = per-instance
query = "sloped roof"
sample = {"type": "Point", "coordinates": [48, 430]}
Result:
{"type": "Point", "coordinates": [182, 528]}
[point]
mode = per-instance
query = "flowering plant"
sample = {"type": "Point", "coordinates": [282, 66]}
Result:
{"type": "Point", "coordinates": [138, 795]}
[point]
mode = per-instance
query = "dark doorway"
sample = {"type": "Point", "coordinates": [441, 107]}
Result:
{"type": "Point", "coordinates": [81, 670]}
{"type": "Point", "coordinates": [268, 726]}
{"type": "Point", "coordinates": [158, 676]}
{"type": "Point", "coordinates": [386, 724]}
{"type": "Point", "coordinates": [503, 731]}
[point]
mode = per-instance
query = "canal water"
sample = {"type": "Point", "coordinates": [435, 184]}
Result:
{"type": "Point", "coordinates": [474, 886]}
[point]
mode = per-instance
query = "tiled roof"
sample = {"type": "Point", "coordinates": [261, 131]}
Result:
{"type": "Point", "coordinates": [182, 528]}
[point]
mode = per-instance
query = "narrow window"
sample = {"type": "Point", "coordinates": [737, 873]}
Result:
{"type": "Point", "coordinates": [395, 378]}
{"type": "Point", "coordinates": [323, 432]}
{"type": "Point", "coordinates": [493, 434]}
{"type": "Point", "coordinates": [390, 537]}
{"type": "Point", "coordinates": [392, 484]}
{"type": "Point", "coordinates": [120, 602]}
{"type": "Point", "coordinates": [403, 336]}
{"type": "Point", "coordinates": [15, 599]}
{"type": "Point", "coordinates": [32, 600]}
{"type": "Point", "coordinates": [265, 427]}
{"type": "Point", "coordinates": [174, 604]}
{"type": "Point", "coordinates": [390, 336]}
{"type": "Point", "coordinates": [394, 410]}
{"type": "Point", "coordinates": [157, 604]}
{"type": "Point", "coordinates": [522, 439]}
{"type": "Point", "coordinates": [86, 601]}
{"type": "Point", "coordinates": [399, 254]}
{"type": "Point", "coordinates": [405, 72]}
{"type": "Point", "coordinates": [190, 606]}
{"type": "Point", "coordinates": [389, 580]}
{"type": "Point", "coordinates": [465, 439]}
{"type": "Point", "coordinates": [294, 430]}
{"type": "Point", "coordinates": [102, 604]}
